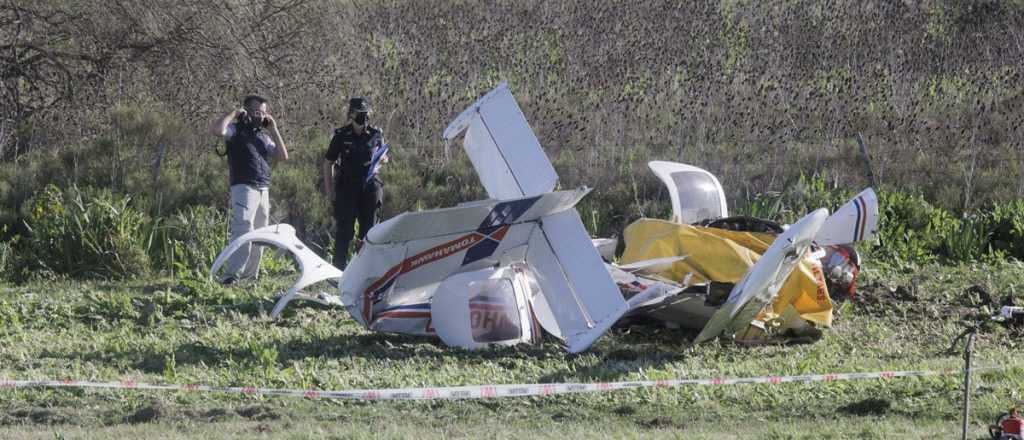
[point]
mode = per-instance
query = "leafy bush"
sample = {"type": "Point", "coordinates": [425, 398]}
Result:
{"type": "Point", "coordinates": [188, 241]}
{"type": "Point", "coordinates": [967, 239]}
{"type": "Point", "coordinates": [767, 205]}
{"type": "Point", "coordinates": [803, 196]}
{"type": "Point", "coordinates": [83, 233]}
{"type": "Point", "coordinates": [907, 228]}
{"type": "Point", "coordinates": [1007, 226]}
{"type": "Point", "coordinates": [911, 230]}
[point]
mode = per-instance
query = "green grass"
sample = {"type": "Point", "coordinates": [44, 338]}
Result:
{"type": "Point", "coordinates": [191, 331]}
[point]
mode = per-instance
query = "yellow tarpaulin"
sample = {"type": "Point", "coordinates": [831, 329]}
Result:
{"type": "Point", "coordinates": [724, 256]}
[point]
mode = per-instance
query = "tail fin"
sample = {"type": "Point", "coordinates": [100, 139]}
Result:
{"type": "Point", "coordinates": [857, 220]}
{"type": "Point", "coordinates": [577, 288]}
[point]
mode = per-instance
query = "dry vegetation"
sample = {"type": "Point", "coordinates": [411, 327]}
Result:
{"type": "Point", "coordinates": [745, 89]}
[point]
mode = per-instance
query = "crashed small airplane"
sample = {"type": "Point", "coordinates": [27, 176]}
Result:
{"type": "Point", "coordinates": [498, 271]}
{"type": "Point", "coordinates": [797, 267]}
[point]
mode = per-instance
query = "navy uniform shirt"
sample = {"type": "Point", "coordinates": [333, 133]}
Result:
{"type": "Point", "coordinates": [248, 150]}
{"type": "Point", "coordinates": [351, 154]}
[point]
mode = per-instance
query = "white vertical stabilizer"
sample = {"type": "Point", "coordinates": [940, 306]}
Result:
{"type": "Point", "coordinates": [504, 150]}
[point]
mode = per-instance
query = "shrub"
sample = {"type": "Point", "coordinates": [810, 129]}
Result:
{"type": "Point", "coordinates": [83, 233]}
{"type": "Point", "coordinates": [910, 230]}
{"type": "Point", "coordinates": [967, 239]}
{"type": "Point", "coordinates": [767, 205]}
{"type": "Point", "coordinates": [1007, 226]}
{"type": "Point", "coordinates": [801, 197]}
{"type": "Point", "coordinates": [188, 241]}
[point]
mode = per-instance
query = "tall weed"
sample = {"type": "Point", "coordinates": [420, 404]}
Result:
{"type": "Point", "coordinates": [6, 252]}
{"type": "Point", "coordinates": [83, 233]}
{"type": "Point", "coordinates": [187, 242]}
{"type": "Point", "coordinates": [967, 239]}
{"type": "Point", "coordinates": [906, 227]}
{"type": "Point", "coordinates": [1007, 226]}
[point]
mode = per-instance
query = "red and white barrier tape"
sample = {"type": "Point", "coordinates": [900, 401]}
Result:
{"type": "Point", "coordinates": [475, 391]}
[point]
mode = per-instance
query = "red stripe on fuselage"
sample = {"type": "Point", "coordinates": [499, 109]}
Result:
{"type": "Point", "coordinates": [426, 257]}
{"type": "Point", "coordinates": [402, 314]}
{"type": "Point", "coordinates": [367, 304]}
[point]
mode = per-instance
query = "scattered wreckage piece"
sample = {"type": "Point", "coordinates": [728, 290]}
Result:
{"type": "Point", "coordinates": [1013, 315]}
{"type": "Point", "coordinates": [313, 269]}
{"type": "Point", "coordinates": [762, 282]}
{"type": "Point", "coordinates": [694, 192]}
{"type": "Point", "coordinates": [726, 253]}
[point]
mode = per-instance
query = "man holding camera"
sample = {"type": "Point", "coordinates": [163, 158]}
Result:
{"type": "Point", "coordinates": [251, 138]}
{"type": "Point", "coordinates": [356, 152]}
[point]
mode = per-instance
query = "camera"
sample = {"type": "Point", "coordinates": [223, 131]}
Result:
{"type": "Point", "coordinates": [245, 119]}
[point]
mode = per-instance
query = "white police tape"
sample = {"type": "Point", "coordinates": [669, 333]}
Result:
{"type": "Point", "coordinates": [476, 391]}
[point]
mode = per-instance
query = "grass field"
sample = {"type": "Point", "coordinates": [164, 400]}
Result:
{"type": "Point", "coordinates": [191, 331]}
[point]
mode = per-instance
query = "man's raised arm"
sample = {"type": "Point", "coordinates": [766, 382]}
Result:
{"type": "Point", "coordinates": [220, 126]}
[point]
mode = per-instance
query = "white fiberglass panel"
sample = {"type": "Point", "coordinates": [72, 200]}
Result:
{"type": "Point", "coordinates": [503, 148]}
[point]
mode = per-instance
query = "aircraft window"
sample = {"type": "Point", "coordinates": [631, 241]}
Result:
{"type": "Point", "coordinates": [699, 198]}
{"type": "Point", "coordinates": [493, 314]}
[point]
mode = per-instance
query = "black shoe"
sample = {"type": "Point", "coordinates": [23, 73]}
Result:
{"type": "Point", "coordinates": [229, 280]}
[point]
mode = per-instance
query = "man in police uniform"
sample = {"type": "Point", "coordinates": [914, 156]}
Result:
{"type": "Point", "coordinates": [252, 139]}
{"type": "Point", "coordinates": [350, 178]}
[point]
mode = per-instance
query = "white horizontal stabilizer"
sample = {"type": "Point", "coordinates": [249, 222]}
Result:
{"type": "Point", "coordinates": [314, 269]}
{"type": "Point", "coordinates": [573, 280]}
{"type": "Point", "coordinates": [855, 221]}
{"type": "Point", "coordinates": [467, 218]}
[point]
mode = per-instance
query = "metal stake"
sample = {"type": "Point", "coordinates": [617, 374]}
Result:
{"type": "Point", "coordinates": [967, 380]}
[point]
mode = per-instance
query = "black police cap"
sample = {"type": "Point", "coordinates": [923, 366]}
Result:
{"type": "Point", "coordinates": [358, 105]}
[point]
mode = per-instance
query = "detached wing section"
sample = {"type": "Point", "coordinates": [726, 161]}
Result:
{"type": "Point", "coordinates": [574, 282]}
{"type": "Point", "coordinates": [761, 284]}
{"type": "Point", "coordinates": [504, 150]}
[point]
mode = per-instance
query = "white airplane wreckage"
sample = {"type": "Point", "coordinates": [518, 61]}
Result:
{"type": "Point", "coordinates": [502, 270]}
